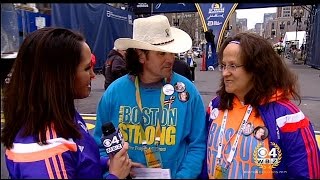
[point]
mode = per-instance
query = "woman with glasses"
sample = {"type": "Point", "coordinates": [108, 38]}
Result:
{"type": "Point", "coordinates": [257, 88]}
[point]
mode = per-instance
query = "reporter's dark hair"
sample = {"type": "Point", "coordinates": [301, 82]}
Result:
{"type": "Point", "coordinates": [40, 94]}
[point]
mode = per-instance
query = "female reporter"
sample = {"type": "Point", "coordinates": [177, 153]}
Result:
{"type": "Point", "coordinates": [44, 135]}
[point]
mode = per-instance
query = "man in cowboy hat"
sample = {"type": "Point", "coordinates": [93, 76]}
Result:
{"type": "Point", "coordinates": [162, 129]}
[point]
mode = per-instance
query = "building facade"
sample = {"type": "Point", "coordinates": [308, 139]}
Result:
{"type": "Point", "coordinates": [258, 28]}
{"type": "Point", "coordinates": [242, 25]}
{"type": "Point", "coordinates": [284, 21]}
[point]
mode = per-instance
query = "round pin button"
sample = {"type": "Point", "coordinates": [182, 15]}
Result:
{"type": "Point", "coordinates": [184, 96]}
{"type": "Point", "coordinates": [168, 89]}
{"type": "Point", "coordinates": [248, 129]}
{"type": "Point", "coordinates": [180, 87]}
{"type": "Point", "coordinates": [260, 133]}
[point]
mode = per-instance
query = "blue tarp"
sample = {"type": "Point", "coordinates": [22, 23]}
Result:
{"type": "Point", "coordinates": [27, 22]}
{"type": "Point", "coordinates": [101, 25]}
{"type": "Point", "coordinates": [314, 60]}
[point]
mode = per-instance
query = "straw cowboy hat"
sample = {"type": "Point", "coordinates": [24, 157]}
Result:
{"type": "Point", "coordinates": [154, 33]}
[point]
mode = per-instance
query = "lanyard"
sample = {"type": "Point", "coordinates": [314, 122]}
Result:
{"type": "Point", "coordinates": [139, 102]}
{"type": "Point", "coordinates": [235, 143]}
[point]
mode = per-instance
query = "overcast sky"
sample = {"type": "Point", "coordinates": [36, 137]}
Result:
{"type": "Point", "coordinates": [254, 15]}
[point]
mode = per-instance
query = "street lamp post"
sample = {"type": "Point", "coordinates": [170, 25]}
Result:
{"type": "Point", "coordinates": [297, 14]}
{"type": "Point", "coordinates": [228, 29]}
{"type": "Point", "coordinates": [176, 20]}
{"type": "Point", "coordinates": [282, 25]}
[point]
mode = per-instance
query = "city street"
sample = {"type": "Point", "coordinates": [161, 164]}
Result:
{"type": "Point", "coordinates": [293, 30]}
{"type": "Point", "coordinates": [207, 83]}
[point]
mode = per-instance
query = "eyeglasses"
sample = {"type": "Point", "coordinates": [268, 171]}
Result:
{"type": "Point", "coordinates": [230, 67]}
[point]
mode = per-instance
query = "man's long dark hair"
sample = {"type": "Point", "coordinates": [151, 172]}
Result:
{"type": "Point", "coordinates": [134, 66]}
{"type": "Point", "coordinates": [40, 94]}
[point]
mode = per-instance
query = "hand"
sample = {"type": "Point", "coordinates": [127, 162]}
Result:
{"type": "Point", "coordinates": [120, 163]}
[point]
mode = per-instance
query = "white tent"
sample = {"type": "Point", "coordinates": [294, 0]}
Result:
{"type": "Point", "coordinates": [293, 35]}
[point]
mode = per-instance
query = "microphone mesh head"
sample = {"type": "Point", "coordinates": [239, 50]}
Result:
{"type": "Point", "coordinates": [108, 128]}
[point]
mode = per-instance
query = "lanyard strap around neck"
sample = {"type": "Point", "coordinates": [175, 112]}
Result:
{"type": "Point", "coordinates": [222, 130]}
{"type": "Point", "coordinates": [139, 103]}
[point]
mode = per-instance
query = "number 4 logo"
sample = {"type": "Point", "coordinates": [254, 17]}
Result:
{"type": "Point", "coordinates": [261, 155]}
{"type": "Point", "coordinates": [108, 142]}
{"type": "Point", "coordinates": [273, 153]}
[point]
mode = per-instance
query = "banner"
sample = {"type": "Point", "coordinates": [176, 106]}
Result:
{"type": "Point", "coordinates": [215, 17]}
{"type": "Point", "coordinates": [173, 7]}
{"type": "Point", "coordinates": [141, 8]}
{"type": "Point", "coordinates": [261, 5]}
{"type": "Point", "coordinates": [156, 8]}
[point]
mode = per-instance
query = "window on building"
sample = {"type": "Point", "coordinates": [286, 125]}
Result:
{"type": "Point", "coordinates": [287, 8]}
{"type": "Point", "coordinates": [272, 26]}
{"type": "Point", "coordinates": [305, 22]}
{"type": "Point", "coordinates": [288, 23]}
{"type": "Point", "coordinates": [286, 12]}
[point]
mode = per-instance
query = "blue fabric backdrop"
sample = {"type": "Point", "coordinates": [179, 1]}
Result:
{"type": "Point", "coordinates": [101, 25]}
{"type": "Point", "coordinates": [314, 60]}
{"type": "Point", "coordinates": [27, 22]}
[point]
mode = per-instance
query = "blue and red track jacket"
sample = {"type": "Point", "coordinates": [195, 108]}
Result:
{"type": "Point", "coordinates": [59, 159]}
{"type": "Point", "coordinates": [293, 132]}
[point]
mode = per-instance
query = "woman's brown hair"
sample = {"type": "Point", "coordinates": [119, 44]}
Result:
{"type": "Point", "coordinates": [270, 73]}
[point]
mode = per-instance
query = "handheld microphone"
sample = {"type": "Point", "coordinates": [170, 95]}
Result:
{"type": "Point", "coordinates": [112, 138]}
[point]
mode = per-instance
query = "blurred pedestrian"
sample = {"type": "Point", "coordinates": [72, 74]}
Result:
{"type": "Point", "coordinates": [181, 67]}
{"type": "Point", "coordinates": [114, 67]}
{"type": "Point", "coordinates": [163, 131]}
{"type": "Point", "coordinates": [44, 135]}
{"type": "Point", "coordinates": [192, 64]}
{"type": "Point", "coordinates": [257, 87]}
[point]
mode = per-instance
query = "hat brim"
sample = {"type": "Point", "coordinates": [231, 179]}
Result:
{"type": "Point", "coordinates": [182, 42]}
